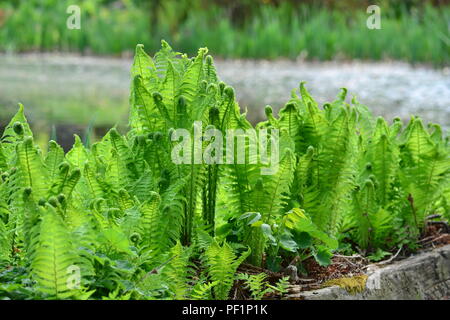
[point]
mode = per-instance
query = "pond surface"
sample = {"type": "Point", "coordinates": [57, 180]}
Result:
{"type": "Point", "coordinates": [388, 89]}
{"type": "Point", "coordinates": [81, 90]}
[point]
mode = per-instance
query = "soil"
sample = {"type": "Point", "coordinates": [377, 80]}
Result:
{"type": "Point", "coordinates": [436, 235]}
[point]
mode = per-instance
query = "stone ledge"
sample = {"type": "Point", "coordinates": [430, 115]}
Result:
{"type": "Point", "coordinates": [424, 276]}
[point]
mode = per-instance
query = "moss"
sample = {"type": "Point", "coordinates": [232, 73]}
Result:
{"type": "Point", "coordinates": [352, 285]}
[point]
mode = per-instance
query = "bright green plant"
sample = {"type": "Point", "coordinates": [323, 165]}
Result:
{"type": "Point", "coordinates": [222, 266]}
{"type": "Point", "coordinates": [259, 286]}
{"type": "Point", "coordinates": [137, 225]}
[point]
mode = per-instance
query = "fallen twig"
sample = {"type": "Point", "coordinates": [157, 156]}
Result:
{"type": "Point", "coordinates": [391, 258]}
{"type": "Point", "coordinates": [355, 256]}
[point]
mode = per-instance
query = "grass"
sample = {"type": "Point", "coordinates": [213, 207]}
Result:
{"type": "Point", "coordinates": [420, 35]}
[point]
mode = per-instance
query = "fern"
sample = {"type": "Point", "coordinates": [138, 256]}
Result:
{"type": "Point", "coordinates": [203, 291]}
{"type": "Point", "coordinates": [151, 221]}
{"type": "Point", "coordinates": [31, 168]}
{"type": "Point", "coordinates": [383, 155]}
{"type": "Point", "coordinates": [426, 166]}
{"type": "Point", "coordinates": [3, 159]}
{"type": "Point", "coordinates": [139, 226]}
{"type": "Point", "coordinates": [256, 284]}
{"type": "Point", "coordinates": [15, 131]}
{"type": "Point", "coordinates": [5, 244]}
{"type": "Point", "coordinates": [53, 256]}
{"type": "Point", "coordinates": [78, 155]}
{"type": "Point", "coordinates": [222, 265]}
{"type": "Point", "coordinates": [53, 160]}
{"type": "Point", "coordinates": [177, 271]}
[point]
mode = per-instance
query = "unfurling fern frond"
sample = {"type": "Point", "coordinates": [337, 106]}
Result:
{"type": "Point", "coordinates": [314, 123]}
{"type": "Point", "coordinates": [15, 131]}
{"type": "Point", "coordinates": [64, 182]}
{"type": "Point", "coordinates": [91, 182]}
{"type": "Point", "coordinates": [169, 90]}
{"type": "Point", "coordinates": [148, 118]}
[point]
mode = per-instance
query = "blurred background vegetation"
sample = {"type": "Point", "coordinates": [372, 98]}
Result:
{"type": "Point", "coordinates": [412, 30]}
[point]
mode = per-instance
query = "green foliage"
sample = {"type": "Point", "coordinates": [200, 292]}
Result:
{"type": "Point", "coordinates": [203, 291]}
{"type": "Point", "coordinates": [259, 286]}
{"type": "Point", "coordinates": [244, 29]}
{"type": "Point", "coordinates": [222, 265]}
{"type": "Point", "coordinates": [137, 225]}
{"type": "Point", "coordinates": [52, 256]}
{"type": "Point", "coordinates": [177, 271]}
{"type": "Point", "coordinates": [256, 285]}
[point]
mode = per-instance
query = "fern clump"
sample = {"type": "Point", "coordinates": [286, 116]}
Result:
{"type": "Point", "coordinates": [121, 219]}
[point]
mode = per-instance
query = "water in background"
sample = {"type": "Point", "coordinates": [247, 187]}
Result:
{"type": "Point", "coordinates": [75, 91]}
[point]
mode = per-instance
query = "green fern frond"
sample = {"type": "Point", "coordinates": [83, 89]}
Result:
{"type": "Point", "coordinates": [10, 136]}
{"type": "Point", "coordinates": [276, 187]}
{"type": "Point", "coordinates": [364, 207]}
{"type": "Point", "coordinates": [426, 168]}
{"type": "Point", "coordinates": [383, 155]}
{"type": "Point", "coordinates": [151, 221]}
{"type": "Point", "coordinates": [3, 159]}
{"type": "Point", "coordinates": [53, 257]}
{"type": "Point", "coordinates": [333, 174]}
{"type": "Point", "coordinates": [178, 271]}
{"type": "Point", "coordinates": [257, 284]}
{"type": "Point", "coordinates": [31, 168]}
{"type": "Point", "coordinates": [191, 80]}
{"type": "Point", "coordinates": [78, 155]}
{"type": "Point", "coordinates": [93, 185]}
{"type": "Point", "coordinates": [169, 90]}
{"type": "Point", "coordinates": [144, 66]}
{"type": "Point", "coordinates": [5, 244]}
{"type": "Point", "coordinates": [163, 57]}
{"type": "Point", "coordinates": [203, 290]}
{"type": "Point", "coordinates": [125, 200]}
{"type": "Point", "coordinates": [148, 118]}
{"type": "Point", "coordinates": [222, 265]}
{"type": "Point", "coordinates": [291, 122]}
{"type": "Point", "coordinates": [54, 158]}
